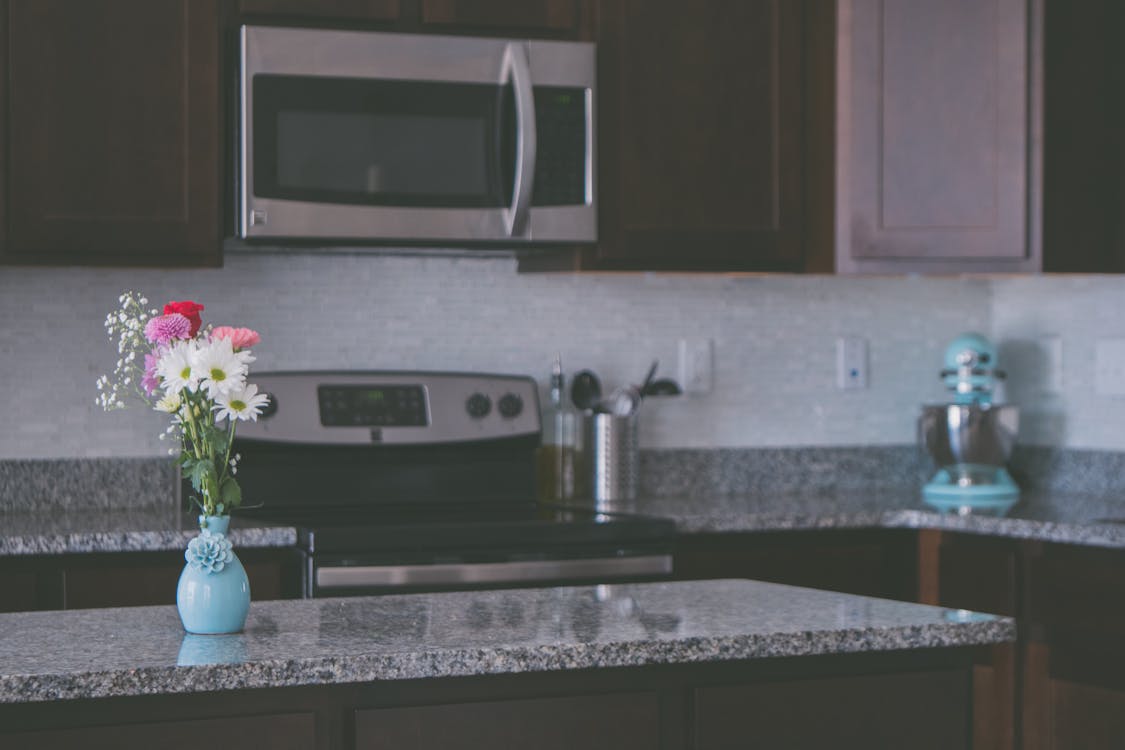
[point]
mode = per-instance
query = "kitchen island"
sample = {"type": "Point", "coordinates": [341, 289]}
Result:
{"type": "Point", "coordinates": [639, 665]}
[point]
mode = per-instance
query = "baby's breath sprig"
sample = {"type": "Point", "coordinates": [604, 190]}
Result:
{"type": "Point", "coordinates": [126, 326]}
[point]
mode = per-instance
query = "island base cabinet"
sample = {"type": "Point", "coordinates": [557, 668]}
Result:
{"type": "Point", "coordinates": [919, 711]}
{"type": "Point", "coordinates": [275, 731]}
{"type": "Point", "coordinates": [614, 722]}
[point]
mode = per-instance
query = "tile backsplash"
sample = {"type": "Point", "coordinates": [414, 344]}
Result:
{"type": "Point", "coordinates": [774, 340]}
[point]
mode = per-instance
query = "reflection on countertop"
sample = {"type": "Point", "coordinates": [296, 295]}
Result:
{"type": "Point", "coordinates": [144, 651]}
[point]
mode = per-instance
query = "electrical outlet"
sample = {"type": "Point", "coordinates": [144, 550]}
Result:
{"type": "Point", "coordinates": [851, 363]}
{"type": "Point", "coordinates": [1109, 367]}
{"type": "Point", "coordinates": [697, 366]}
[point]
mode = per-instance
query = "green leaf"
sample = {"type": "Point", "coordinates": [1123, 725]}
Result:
{"type": "Point", "coordinates": [202, 473]}
{"type": "Point", "coordinates": [231, 493]}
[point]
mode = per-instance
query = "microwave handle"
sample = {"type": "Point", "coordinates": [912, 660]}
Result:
{"type": "Point", "coordinates": [517, 69]}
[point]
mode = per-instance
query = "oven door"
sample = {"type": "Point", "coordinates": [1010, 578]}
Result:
{"type": "Point", "coordinates": [371, 136]}
{"type": "Point", "coordinates": [359, 575]}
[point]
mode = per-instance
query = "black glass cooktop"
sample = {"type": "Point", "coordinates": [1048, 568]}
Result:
{"type": "Point", "coordinates": [364, 528]}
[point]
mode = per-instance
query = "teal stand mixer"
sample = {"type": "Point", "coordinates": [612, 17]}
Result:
{"type": "Point", "coordinates": [971, 438]}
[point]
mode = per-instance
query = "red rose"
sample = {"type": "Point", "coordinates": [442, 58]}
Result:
{"type": "Point", "coordinates": [189, 310]}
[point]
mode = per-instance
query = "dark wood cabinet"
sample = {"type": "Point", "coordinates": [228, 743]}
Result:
{"type": "Point", "coordinates": [114, 132]}
{"type": "Point", "coordinates": [277, 731]}
{"type": "Point", "coordinates": [350, 10]}
{"type": "Point", "coordinates": [938, 137]}
{"type": "Point", "coordinates": [919, 710]}
{"type": "Point", "coordinates": [541, 15]}
{"type": "Point", "coordinates": [627, 721]}
{"type": "Point", "coordinates": [879, 563]}
{"type": "Point", "coordinates": [700, 128]}
{"type": "Point", "coordinates": [1074, 674]}
{"type": "Point", "coordinates": [980, 574]}
{"type": "Point", "coordinates": [128, 579]}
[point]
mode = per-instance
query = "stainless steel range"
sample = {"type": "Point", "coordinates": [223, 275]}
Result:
{"type": "Point", "coordinates": [424, 481]}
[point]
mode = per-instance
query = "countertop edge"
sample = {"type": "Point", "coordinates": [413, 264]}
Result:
{"type": "Point", "coordinates": [438, 664]}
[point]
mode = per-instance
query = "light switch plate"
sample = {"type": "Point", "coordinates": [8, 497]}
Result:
{"type": "Point", "coordinates": [851, 363]}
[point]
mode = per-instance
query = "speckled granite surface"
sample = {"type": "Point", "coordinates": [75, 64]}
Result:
{"type": "Point", "coordinates": [143, 650]}
{"type": "Point", "coordinates": [744, 471]}
{"type": "Point", "coordinates": [1047, 516]}
{"type": "Point", "coordinates": [138, 530]}
{"type": "Point", "coordinates": [81, 484]}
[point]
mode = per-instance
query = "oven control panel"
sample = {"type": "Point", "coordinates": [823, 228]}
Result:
{"type": "Point", "coordinates": [394, 408]}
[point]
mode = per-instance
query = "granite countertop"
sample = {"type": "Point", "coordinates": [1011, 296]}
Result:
{"type": "Point", "coordinates": [143, 650]}
{"type": "Point", "coordinates": [1047, 516]}
{"type": "Point", "coordinates": [137, 530]}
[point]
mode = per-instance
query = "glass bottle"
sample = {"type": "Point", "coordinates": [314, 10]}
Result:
{"type": "Point", "coordinates": [556, 453]}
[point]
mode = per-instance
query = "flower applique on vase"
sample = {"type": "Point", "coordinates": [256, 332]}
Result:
{"type": "Point", "coordinates": [213, 595]}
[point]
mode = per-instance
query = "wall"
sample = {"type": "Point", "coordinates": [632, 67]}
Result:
{"type": "Point", "coordinates": [774, 340]}
{"type": "Point", "coordinates": [1066, 410]}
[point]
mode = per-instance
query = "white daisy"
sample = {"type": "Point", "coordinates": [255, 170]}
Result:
{"type": "Point", "coordinates": [175, 368]}
{"type": "Point", "coordinates": [243, 403]}
{"type": "Point", "coordinates": [221, 370]}
{"type": "Point", "coordinates": [170, 403]}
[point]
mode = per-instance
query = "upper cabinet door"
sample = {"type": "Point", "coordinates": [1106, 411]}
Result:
{"type": "Point", "coordinates": [700, 126]}
{"type": "Point", "coordinates": [937, 136]}
{"type": "Point", "coordinates": [115, 132]}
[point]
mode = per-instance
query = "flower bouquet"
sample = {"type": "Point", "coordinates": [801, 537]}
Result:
{"type": "Point", "coordinates": [196, 375]}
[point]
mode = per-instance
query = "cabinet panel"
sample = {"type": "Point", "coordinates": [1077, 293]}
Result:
{"type": "Point", "coordinates": [921, 710]}
{"type": "Point", "coordinates": [872, 564]}
{"type": "Point", "coordinates": [700, 126]}
{"type": "Point", "coordinates": [933, 136]}
{"type": "Point", "coordinates": [557, 15]}
{"type": "Point", "coordinates": [135, 579]}
{"type": "Point", "coordinates": [278, 731]}
{"type": "Point", "coordinates": [359, 10]}
{"type": "Point", "coordinates": [600, 722]}
{"type": "Point", "coordinates": [115, 132]}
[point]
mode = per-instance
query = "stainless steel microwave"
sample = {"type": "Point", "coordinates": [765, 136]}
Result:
{"type": "Point", "coordinates": [382, 137]}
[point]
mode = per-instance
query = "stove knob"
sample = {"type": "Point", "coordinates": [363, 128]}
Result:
{"type": "Point", "coordinates": [510, 406]}
{"type": "Point", "coordinates": [478, 405]}
{"type": "Point", "coordinates": [270, 407]}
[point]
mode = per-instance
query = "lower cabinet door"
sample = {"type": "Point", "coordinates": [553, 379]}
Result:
{"type": "Point", "coordinates": [620, 721]}
{"type": "Point", "coordinates": [920, 711]}
{"type": "Point", "coordinates": [276, 731]}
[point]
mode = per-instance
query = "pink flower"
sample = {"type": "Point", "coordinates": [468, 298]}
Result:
{"type": "Point", "coordinates": [167, 328]}
{"type": "Point", "coordinates": [149, 381]}
{"type": "Point", "coordinates": [240, 338]}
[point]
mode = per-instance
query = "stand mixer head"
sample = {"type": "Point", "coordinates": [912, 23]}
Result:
{"type": "Point", "coordinates": [970, 439]}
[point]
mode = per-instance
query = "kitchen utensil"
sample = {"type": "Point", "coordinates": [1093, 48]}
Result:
{"type": "Point", "coordinates": [662, 387]}
{"type": "Point", "coordinates": [970, 439]}
{"type": "Point", "coordinates": [648, 378]}
{"type": "Point", "coordinates": [623, 402]}
{"type": "Point", "coordinates": [585, 390]}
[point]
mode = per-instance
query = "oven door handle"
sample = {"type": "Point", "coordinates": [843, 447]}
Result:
{"type": "Point", "coordinates": [523, 571]}
{"type": "Point", "coordinates": [516, 69]}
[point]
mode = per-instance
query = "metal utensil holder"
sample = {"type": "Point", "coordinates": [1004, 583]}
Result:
{"type": "Point", "coordinates": [611, 457]}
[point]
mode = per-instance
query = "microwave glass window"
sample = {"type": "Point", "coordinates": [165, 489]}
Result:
{"type": "Point", "coordinates": [382, 142]}
{"type": "Point", "coordinates": [378, 154]}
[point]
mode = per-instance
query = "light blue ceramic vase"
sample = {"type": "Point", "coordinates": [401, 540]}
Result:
{"type": "Point", "coordinates": [214, 594]}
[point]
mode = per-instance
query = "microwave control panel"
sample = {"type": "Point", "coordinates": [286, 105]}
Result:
{"type": "Point", "coordinates": [560, 163]}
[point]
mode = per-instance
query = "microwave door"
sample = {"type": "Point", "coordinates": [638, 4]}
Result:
{"type": "Point", "coordinates": [359, 135]}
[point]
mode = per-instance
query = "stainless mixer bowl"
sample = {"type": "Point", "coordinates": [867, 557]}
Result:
{"type": "Point", "coordinates": [961, 435]}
